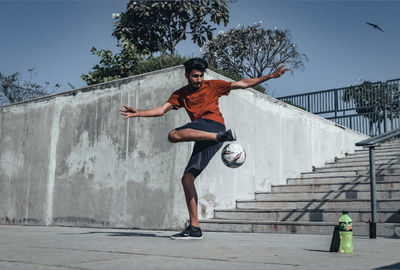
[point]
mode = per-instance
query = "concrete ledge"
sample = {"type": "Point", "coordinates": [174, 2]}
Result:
{"type": "Point", "coordinates": [101, 86]}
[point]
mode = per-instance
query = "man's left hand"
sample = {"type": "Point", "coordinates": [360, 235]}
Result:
{"type": "Point", "coordinates": [280, 71]}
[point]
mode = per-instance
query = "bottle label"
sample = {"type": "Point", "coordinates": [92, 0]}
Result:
{"type": "Point", "coordinates": [345, 226]}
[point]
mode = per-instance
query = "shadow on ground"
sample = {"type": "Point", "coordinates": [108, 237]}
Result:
{"type": "Point", "coordinates": [126, 234]}
{"type": "Point", "coordinates": [316, 250]}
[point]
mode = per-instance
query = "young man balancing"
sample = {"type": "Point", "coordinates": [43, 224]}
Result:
{"type": "Point", "coordinates": [207, 127]}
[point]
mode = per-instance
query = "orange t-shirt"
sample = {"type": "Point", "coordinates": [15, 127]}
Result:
{"type": "Point", "coordinates": [202, 103]}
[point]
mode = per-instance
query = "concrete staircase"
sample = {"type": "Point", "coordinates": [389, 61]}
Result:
{"type": "Point", "coordinates": [313, 203]}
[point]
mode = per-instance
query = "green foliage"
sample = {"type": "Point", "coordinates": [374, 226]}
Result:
{"type": "Point", "coordinates": [13, 89]}
{"type": "Point", "coordinates": [160, 62]}
{"type": "Point", "coordinates": [127, 62]}
{"type": "Point", "coordinates": [112, 67]}
{"type": "Point", "coordinates": [158, 26]}
{"type": "Point", "coordinates": [371, 99]}
{"type": "Point", "coordinates": [253, 51]}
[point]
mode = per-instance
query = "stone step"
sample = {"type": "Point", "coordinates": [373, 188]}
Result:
{"type": "Point", "coordinates": [289, 227]}
{"type": "Point", "coordinates": [383, 159]}
{"type": "Point", "coordinates": [317, 204]}
{"type": "Point", "coordinates": [325, 186]}
{"type": "Point", "coordinates": [325, 215]}
{"type": "Point", "coordinates": [328, 174]}
{"type": "Point", "coordinates": [361, 164]}
{"type": "Point", "coordinates": [351, 172]}
{"type": "Point", "coordinates": [382, 168]}
{"type": "Point", "coordinates": [377, 155]}
{"type": "Point", "coordinates": [391, 143]}
{"type": "Point", "coordinates": [395, 146]}
{"type": "Point", "coordinates": [338, 195]}
{"type": "Point", "coordinates": [365, 157]}
{"type": "Point", "coordinates": [351, 159]}
{"type": "Point", "coordinates": [382, 146]}
{"type": "Point", "coordinates": [381, 149]}
{"type": "Point", "coordinates": [365, 152]}
{"type": "Point", "coordinates": [342, 179]}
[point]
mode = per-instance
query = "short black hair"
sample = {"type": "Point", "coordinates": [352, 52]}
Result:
{"type": "Point", "coordinates": [195, 63]}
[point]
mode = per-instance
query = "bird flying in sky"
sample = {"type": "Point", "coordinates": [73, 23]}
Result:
{"type": "Point", "coordinates": [375, 26]}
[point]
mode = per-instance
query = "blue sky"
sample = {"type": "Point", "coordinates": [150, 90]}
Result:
{"type": "Point", "coordinates": [55, 38]}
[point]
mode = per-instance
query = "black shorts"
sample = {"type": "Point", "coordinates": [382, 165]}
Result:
{"type": "Point", "coordinates": [203, 151]}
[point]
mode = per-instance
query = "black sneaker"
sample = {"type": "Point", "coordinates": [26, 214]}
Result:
{"type": "Point", "coordinates": [228, 135]}
{"type": "Point", "coordinates": [191, 232]}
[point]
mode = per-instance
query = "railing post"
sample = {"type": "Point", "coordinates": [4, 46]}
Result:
{"type": "Point", "coordinates": [336, 102]}
{"type": "Point", "coordinates": [372, 226]}
{"type": "Point", "coordinates": [385, 125]}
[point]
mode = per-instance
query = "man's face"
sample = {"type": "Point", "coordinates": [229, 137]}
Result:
{"type": "Point", "coordinates": [195, 79]}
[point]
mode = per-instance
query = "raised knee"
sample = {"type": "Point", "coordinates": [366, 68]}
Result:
{"type": "Point", "coordinates": [173, 137]}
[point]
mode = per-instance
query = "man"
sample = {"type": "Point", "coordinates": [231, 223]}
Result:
{"type": "Point", "coordinates": [200, 99]}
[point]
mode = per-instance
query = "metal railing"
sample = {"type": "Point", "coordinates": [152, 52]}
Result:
{"type": "Point", "coordinates": [371, 143]}
{"type": "Point", "coordinates": [371, 108]}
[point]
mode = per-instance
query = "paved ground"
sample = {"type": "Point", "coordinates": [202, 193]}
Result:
{"type": "Point", "coordinates": [26, 247]}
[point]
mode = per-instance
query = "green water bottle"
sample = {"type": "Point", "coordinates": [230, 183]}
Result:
{"type": "Point", "coordinates": [346, 233]}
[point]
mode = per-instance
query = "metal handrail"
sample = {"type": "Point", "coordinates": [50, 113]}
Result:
{"type": "Point", "coordinates": [380, 138]}
{"type": "Point", "coordinates": [370, 143]}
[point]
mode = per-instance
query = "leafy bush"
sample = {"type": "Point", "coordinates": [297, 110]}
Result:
{"type": "Point", "coordinates": [162, 61]}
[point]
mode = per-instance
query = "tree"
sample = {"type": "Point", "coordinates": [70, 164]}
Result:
{"type": "Point", "coordinates": [127, 62]}
{"type": "Point", "coordinates": [253, 51]}
{"type": "Point", "coordinates": [12, 89]}
{"type": "Point", "coordinates": [374, 100]}
{"type": "Point", "coordinates": [112, 67]}
{"type": "Point", "coordinates": [158, 26]}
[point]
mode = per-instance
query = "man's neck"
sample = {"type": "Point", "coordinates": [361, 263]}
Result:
{"type": "Point", "coordinates": [191, 89]}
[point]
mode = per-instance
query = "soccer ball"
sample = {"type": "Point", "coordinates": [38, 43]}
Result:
{"type": "Point", "coordinates": [233, 155]}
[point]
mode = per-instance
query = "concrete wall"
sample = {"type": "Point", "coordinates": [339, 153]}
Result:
{"type": "Point", "coordinates": [69, 159]}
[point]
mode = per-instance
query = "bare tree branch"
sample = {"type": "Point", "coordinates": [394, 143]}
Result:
{"type": "Point", "coordinates": [253, 51]}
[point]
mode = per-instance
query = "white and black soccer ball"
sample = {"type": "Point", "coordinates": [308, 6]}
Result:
{"type": "Point", "coordinates": [233, 155]}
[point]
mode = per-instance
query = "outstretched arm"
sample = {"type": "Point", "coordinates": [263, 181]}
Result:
{"type": "Point", "coordinates": [250, 82]}
{"type": "Point", "coordinates": [129, 112]}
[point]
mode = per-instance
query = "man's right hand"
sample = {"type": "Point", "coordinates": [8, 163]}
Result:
{"type": "Point", "coordinates": [129, 112]}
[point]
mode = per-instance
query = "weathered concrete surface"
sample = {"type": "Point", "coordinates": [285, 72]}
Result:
{"type": "Point", "coordinates": [70, 159]}
{"type": "Point", "coordinates": [25, 247]}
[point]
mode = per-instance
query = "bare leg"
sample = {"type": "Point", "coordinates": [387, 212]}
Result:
{"type": "Point", "coordinates": [191, 197]}
{"type": "Point", "coordinates": [188, 134]}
